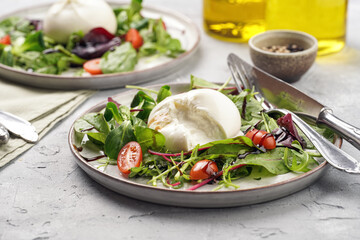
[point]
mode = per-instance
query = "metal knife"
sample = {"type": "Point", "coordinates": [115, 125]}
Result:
{"type": "Point", "coordinates": [283, 95]}
{"type": "Point", "coordinates": [19, 127]}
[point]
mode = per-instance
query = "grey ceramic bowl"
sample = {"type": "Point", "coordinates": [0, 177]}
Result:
{"type": "Point", "coordinates": [286, 66]}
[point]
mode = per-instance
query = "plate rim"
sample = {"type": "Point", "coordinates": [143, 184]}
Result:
{"type": "Point", "coordinates": [109, 75]}
{"type": "Point", "coordinates": [80, 159]}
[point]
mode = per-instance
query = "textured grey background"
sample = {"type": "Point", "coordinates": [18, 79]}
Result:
{"type": "Point", "coordinates": [45, 195]}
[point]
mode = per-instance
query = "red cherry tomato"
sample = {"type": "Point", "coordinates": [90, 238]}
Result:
{"type": "Point", "coordinates": [5, 40]}
{"type": "Point", "coordinates": [133, 36]}
{"type": "Point", "coordinates": [93, 66]}
{"type": "Point", "coordinates": [262, 138]}
{"type": "Point", "coordinates": [203, 169]}
{"type": "Point", "coordinates": [129, 156]}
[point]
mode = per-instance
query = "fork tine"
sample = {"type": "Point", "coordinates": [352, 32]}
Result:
{"type": "Point", "coordinates": [235, 75]}
{"type": "Point", "coordinates": [242, 78]}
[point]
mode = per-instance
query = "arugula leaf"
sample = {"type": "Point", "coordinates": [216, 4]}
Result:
{"type": "Point", "coordinates": [130, 17]}
{"type": "Point", "coordinates": [248, 107]}
{"type": "Point", "coordinates": [234, 149]}
{"type": "Point", "coordinates": [271, 160]}
{"type": "Point", "coordinates": [122, 59]}
{"type": "Point", "coordinates": [298, 160]}
{"type": "Point", "coordinates": [51, 63]}
{"type": "Point", "coordinates": [158, 41]}
{"type": "Point", "coordinates": [15, 26]}
{"type": "Point", "coordinates": [7, 58]}
{"type": "Point", "coordinates": [135, 8]}
{"type": "Point", "coordinates": [199, 83]}
{"type": "Point", "coordinates": [117, 138]}
{"type": "Point", "coordinates": [237, 140]}
{"type": "Point", "coordinates": [71, 57]}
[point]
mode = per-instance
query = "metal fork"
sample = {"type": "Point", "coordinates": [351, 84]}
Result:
{"type": "Point", "coordinates": [333, 155]}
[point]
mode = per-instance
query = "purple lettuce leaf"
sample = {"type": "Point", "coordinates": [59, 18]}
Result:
{"type": "Point", "coordinates": [38, 24]}
{"type": "Point", "coordinates": [98, 35]}
{"type": "Point", "coordinates": [95, 43]}
{"type": "Point", "coordinates": [287, 123]}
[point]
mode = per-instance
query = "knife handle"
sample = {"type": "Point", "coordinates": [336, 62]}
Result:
{"type": "Point", "coordinates": [345, 130]}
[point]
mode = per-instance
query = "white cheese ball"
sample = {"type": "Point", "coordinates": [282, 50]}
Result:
{"type": "Point", "coordinates": [68, 16]}
{"type": "Point", "coordinates": [195, 117]}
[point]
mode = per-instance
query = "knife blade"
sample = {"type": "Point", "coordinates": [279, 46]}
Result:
{"type": "Point", "coordinates": [19, 127]}
{"type": "Point", "coordinates": [283, 95]}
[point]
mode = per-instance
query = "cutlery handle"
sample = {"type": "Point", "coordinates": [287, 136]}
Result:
{"type": "Point", "coordinates": [334, 155]}
{"type": "Point", "coordinates": [345, 130]}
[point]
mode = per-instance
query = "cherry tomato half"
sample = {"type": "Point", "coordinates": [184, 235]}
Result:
{"type": "Point", "coordinates": [93, 66]}
{"type": "Point", "coordinates": [133, 36]}
{"type": "Point", "coordinates": [203, 169]}
{"type": "Point", "coordinates": [129, 156]}
{"type": "Point", "coordinates": [5, 40]}
{"type": "Point", "coordinates": [262, 138]}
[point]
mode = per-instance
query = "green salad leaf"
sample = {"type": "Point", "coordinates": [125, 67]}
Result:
{"type": "Point", "coordinates": [122, 59]}
{"type": "Point", "coordinates": [117, 138]}
{"type": "Point", "coordinates": [149, 138]}
{"type": "Point", "coordinates": [32, 42]}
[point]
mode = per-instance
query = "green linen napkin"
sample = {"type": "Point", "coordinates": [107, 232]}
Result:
{"type": "Point", "coordinates": [42, 108]}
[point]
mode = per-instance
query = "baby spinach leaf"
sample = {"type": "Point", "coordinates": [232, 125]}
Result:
{"type": "Point", "coordinates": [112, 111]}
{"type": "Point", "coordinates": [149, 138]}
{"type": "Point", "coordinates": [97, 121]}
{"type": "Point", "coordinates": [163, 93]}
{"type": "Point", "coordinates": [141, 97]}
{"type": "Point", "coordinates": [83, 127]}
{"type": "Point", "coordinates": [122, 59]}
{"type": "Point", "coordinates": [137, 121]}
{"type": "Point", "coordinates": [97, 137]}
{"type": "Point", "coordinates": [145, 102]}
{"type": "Point", "coordinates": [124, 113]}
{"type": "Point", "coordinates": [117, 138]}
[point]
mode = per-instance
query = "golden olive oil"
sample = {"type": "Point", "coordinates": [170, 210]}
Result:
{"type": "Point", "coordinates": [324, 19]}
{"type": "Point", "coordinates": [234, 20]}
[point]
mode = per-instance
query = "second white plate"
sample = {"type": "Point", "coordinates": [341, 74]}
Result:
{"type": "Point", "coordinates": [178, 25]}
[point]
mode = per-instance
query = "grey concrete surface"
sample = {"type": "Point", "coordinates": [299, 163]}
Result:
{"type": "Point", "coordinates": [45, 195]}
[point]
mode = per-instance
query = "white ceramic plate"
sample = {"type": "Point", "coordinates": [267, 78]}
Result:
{"type": "Point", "coordinates": [251, 191]}
{"type": "Point", "coordinates": [179, 26]}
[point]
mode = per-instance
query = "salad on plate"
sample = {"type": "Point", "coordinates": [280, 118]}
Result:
{"type": "Point", "coordinates": [85, 37]}
{"type": "Point", "coordinates": [211, 134]}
